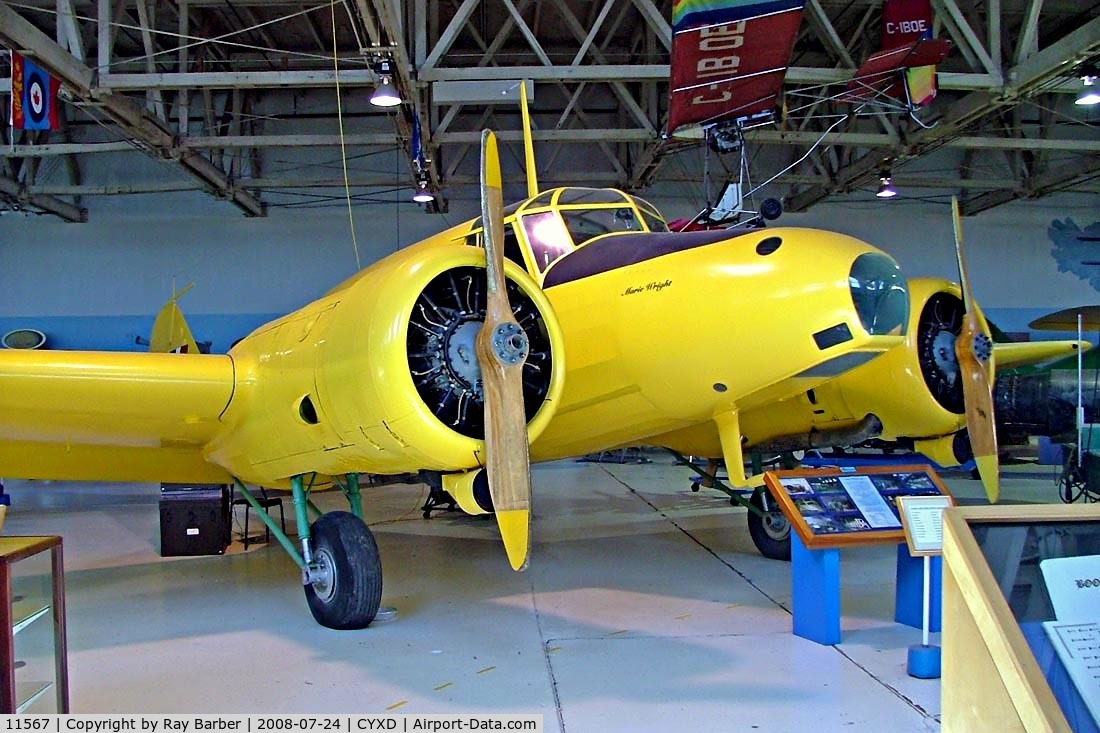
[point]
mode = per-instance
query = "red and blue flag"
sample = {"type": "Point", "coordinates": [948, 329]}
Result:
{"type": "Point", "coordinates": [33, 96]}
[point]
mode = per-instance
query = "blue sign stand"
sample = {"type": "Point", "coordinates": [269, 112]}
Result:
{"type": "Point", "coordinates": [815, 592]}
{"type": "Point", "coordinates": [909, 591]}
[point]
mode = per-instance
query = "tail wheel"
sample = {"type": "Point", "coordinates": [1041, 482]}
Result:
{"type": "Point", "coordinates": [770, 533]}
{"type": "Point", "coordinates": [444, 324]}
{"type": "Point", "coordinates": [938, 327]}
{"type": "Point", "coordinates": [347, 588]}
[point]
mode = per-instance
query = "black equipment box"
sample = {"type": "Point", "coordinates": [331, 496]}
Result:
{"type": "Point", "coordinates": [194, 519]}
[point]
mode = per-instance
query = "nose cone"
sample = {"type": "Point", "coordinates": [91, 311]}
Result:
{"type": "Point", "coordinates": [880, 294]}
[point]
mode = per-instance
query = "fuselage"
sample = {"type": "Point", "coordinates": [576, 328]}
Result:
{"type": "Point", "coordinates": [637, 335]}
{"type": "Point", "coordinates": [650, 332]}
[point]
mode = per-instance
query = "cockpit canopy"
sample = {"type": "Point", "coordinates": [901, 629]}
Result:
{"type": "Point", "coordinates": [541, 230]}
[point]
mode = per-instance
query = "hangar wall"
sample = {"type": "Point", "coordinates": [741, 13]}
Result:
{"type": "Point", "coordinates": [98, 285]}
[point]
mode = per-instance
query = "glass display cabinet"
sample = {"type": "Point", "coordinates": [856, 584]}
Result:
{"type": "Point", "coordinates": [33, 665]}
{"type": "Point", "coordinates": [1021, 618]}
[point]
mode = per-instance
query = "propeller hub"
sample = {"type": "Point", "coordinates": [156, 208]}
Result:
{"type": "Point", "coordinates": [510, 343]}
{"type": "Point", "coordinates": [983, 347]}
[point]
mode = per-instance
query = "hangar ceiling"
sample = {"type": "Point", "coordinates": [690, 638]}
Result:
{"type": "Point", "coordinates": [229, 93]}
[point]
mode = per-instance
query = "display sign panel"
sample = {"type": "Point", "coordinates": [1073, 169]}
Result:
{"type": "Point", "coordinates": [832, 507]}
{"type": "Point", "coordinates": [922, 520]}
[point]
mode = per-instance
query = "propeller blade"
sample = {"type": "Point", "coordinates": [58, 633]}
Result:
{"type": "Point", "coordinates": [501, 352]}
{"type": "Point", "coordinates": [974, 352]}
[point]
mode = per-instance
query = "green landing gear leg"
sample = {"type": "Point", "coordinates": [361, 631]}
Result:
{"type": "Point", "coordinates": [341, 569]}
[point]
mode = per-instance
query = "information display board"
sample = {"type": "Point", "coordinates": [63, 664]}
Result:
{"type": "Point", "coordinates": [922, 520]}
{"type": "Point", "coordinates": [840, 507]}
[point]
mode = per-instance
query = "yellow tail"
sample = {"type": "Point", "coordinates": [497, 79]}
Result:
{"type": "Point", "coordinates": [170, 330]}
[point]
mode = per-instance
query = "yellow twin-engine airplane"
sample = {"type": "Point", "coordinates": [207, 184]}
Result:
{"type": "Point", "coordinates": [575, 313]}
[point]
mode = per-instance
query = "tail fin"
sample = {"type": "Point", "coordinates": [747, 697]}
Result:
{"type": "Point", "coordinates": [170, 330]}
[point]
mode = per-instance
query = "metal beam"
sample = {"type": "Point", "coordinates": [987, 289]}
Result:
{"type": "Point", "coordinates": [237, 80]}
{"type": "Point", "coordinates": [578, 136]}
{"type": "Point", "coordinates": [1024, 79]}
{"type": "Point", "coordinates": [450, 33]}
{"type": "Point", "coordinates": [148, 131]}
{"type": "Point", "coordinates": [656, 21]}
{"type": "Point", "coordinates": [14, 191]}
{"type": "Point", "coordinates": [1055, 179]}
{"type": "Point", "coordinates": [796, 75]}
{"type": "Point", "coordinates": [969, 37]}
{"type": "Point", "coordinates": [1029, 36]}
{"type": "Point", "coordinates": [563, 178]}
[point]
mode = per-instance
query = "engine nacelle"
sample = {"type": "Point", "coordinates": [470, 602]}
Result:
{"type": "Point", "coordinates": [948, 450]}
{"type": "Point", "coordinates": [380, 376]}
{"type": "Point", "coordinates": [914, 389]}
{"type": "Point", "coordinates": [470, 490]}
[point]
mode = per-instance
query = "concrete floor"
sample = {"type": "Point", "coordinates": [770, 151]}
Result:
{"type": "Point", "coordinates": [646, 607]}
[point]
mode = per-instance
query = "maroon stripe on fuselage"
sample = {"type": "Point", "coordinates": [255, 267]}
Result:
{"type": "Point", "coordinates": [613, 251]}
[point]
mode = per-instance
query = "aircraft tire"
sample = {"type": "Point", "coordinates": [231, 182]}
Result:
{"type": "Point", "coordinates": [350, 589]}
{"type": "Point", "coordinates": [772, 536]}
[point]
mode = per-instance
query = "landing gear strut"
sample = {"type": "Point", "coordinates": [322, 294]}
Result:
{"type": "Point", "coordinates": [770, 530]}
{"type": "Point", "coordinates": [341, 569]}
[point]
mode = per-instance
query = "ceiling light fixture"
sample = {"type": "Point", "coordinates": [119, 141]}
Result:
{"type": "Point", "coordinates": [1089, 94]}
{"type": "Point", "coordinates": [886, 188]}
{"type": "Point", "coordinates": [423, 195]}
{"type": "Point", "coordinates": [385, 94]}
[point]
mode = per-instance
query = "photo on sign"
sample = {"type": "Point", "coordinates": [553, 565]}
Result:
{"type": "Point", "coordinates": [822, 524]}
{"type": "Point", "coordinates": [837, 503]}
{"type": "Point", "coordinates": [808, 506]}
{"type": "Point", "coordinates": [796, 486]}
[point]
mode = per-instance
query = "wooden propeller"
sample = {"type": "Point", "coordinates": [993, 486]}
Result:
{"type": "Point", "coordinates": [974, 352]}
{"type": "Point", "coordinates": [502, 349]}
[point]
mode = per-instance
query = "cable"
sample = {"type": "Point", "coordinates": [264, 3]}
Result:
{"type": "Point", "coordinates": [343, 147]}
{"type": "Point", "coordinates": [806, 155]}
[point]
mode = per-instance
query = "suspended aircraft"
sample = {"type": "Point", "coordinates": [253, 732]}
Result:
{"type": "Point", "coordinates": [730, 59]}
{"type": "Point", "coordinates": [727, 76]}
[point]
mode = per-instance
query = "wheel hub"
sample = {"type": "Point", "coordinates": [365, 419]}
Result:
{"type": "Point", "coordinates": [776, 525]}
{"type": "Point", "coordinates": [321, 574]}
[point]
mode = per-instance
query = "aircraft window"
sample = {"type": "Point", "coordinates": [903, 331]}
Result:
{"type": "Point", "coordinates": [655, 223]}
{"type": "Point", "coordinates": [591, 196]}
{"type": "Point", "coordinates": [548, 237]}
{"type": "Point", "coordinates": [651, 215]}
{"type": "Point", "coordinates": [584, 224]}
{"type": "Point", "coordinates": [543, 199]}
{"type": "Point", "coordinates": [511, 245]}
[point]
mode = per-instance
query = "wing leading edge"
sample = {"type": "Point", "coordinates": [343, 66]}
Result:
{"type": "Point", "coordinates": [117, 416]}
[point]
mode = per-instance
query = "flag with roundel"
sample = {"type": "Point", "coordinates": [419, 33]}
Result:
{"type": "Point", "coordinates": [33, 96]}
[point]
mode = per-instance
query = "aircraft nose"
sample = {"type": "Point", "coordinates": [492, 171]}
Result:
{"type": "Point", "coordinates": [880, 294]}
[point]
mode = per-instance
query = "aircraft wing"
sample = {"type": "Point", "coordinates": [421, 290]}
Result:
{"type": "Point", "coordinates": [729, 58]}
{"type": "Point", "coordinates": [878, 74]}
{"type": "Point", "coordinates": [1066, 319]}
{"type": "Point", "coordinates": [112, 416]}
{"type": "Point", "coordinates": [1027, 353]}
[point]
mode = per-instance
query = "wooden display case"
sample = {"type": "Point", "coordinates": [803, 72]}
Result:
{"type": "Point", "coordinates": [1000, 671]}
{"type": "Point", "coordinates": [33, 661]}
